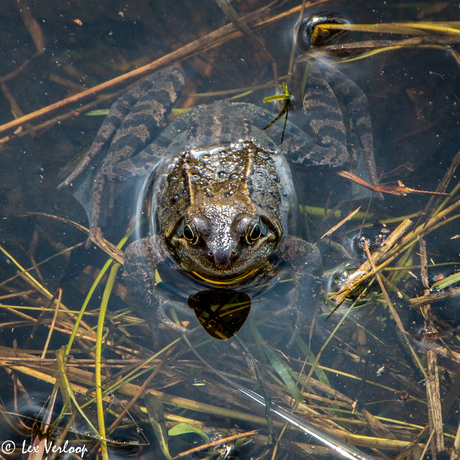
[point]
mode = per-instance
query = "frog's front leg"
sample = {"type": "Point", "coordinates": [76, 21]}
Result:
{"type": "Point", "coordinates": [142, 259]}
{"type": "Point", "coordinates": [306, 267]}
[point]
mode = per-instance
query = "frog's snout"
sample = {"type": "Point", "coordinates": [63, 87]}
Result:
{"type": "Point", "coordinates": [223, 259]}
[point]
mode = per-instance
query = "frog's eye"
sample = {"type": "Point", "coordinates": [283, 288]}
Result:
{"type": "Point", "coordinates": [253, 233]}
{"type": "Point", "coordinates": [190, 233]}
{"type": "Point", "coordinates": [311, 32]}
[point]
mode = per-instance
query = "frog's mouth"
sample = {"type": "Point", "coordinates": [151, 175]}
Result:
{"type": "Point", "coordinates": [228, 281]}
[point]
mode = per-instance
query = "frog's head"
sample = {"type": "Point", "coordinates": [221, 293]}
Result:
{"type": "Point", "coordinates": [224, 239]}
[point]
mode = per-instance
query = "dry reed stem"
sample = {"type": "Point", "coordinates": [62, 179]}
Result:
{"type": "Point", "coordinates": [441, 351]}
{"type": "Point", "coordinates": [16, 294]}
{"type": "Point", "coordinates": [433, 391]}
{"type": "Point", "coordinates": [364, 271]}
{"type": "Point", "coordinates": [141, 390]}
{"type": "Point", "coordinates": [373, 267]}
{"type": "Point", "coordinates": [87, 378]}
{"type": "Point", "coordinates": [53, 323]}
{"type": "Point", "coordinates": [109, 248]}
{"type": "Point", "coordinates": [80, 379]}
{"type": "Point", "coordinates": [218, 442]}
{"type": "Point", "coordinates": [428, 443]}
{"type": "Point", "coordinates": [423, 229]}
{"type": "Point", "coordinates": [335, 227]}
{"type": "Point", "coordinates": [64, 326]}
{"type": "Point", "coordinates": [14, 106]}
{"type": "Point", "coordinates": [434, 201]}
{"type": "Point", "coordinates": [393, 311]}
{"type": "Point", "coordinates": [213, 39]}
{"type": "Point", "coordinates": [418, 302]}
{"type": "Point", "coordinates": [66, 116]}
{"type": "Point", "coordinates": [63, 252]}
{"type": "Point", "coordinates": [37, 286]}
{"type": "Point", "coordinates": [455, 454]}
{"type": "Point", "coordinates": [129, 389]}
{"type": "Point", "coordinates": [437, 42]}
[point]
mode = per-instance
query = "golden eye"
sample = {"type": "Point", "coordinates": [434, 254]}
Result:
{"type": "Point", "coordinates": [253, 234]}
{"type": "Point", "coordinates": [190, 233]}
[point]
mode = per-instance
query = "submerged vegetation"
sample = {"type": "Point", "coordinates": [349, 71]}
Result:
{"type": "Point", "coordinates": [378, 366]}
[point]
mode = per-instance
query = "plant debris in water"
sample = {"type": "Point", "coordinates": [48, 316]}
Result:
{"type": "Point", "coordinates": [381, 374]}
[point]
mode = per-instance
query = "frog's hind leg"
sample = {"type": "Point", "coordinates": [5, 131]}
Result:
{"type": "Point", "coordinates": [154, 99]}
{"type": "Point", "coordinates": [321, 109]}
{"type": "Point", "coordinates": [134, 120]}
{"type": "Point", "coordinates": [361, 138]}
{"type": "Point", "coordinates": [317, 136]}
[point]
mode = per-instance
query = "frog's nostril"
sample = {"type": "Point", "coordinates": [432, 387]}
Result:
{"type": "Point", "coordinates": [223, 259]}
{"type": "Point", "coordinates": [211, 256]}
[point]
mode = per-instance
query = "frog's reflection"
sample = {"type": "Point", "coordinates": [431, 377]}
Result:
{"type": "Point", "coordinates": [221, 312]}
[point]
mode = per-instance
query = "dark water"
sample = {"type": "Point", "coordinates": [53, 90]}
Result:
{"type": "Point", "coordinates": [413, 100]}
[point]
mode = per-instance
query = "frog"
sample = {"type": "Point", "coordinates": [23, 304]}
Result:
{"type": "Point", "coordinates": [220, 187]}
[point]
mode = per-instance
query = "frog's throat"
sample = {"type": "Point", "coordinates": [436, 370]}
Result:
{"type": "Point", "coordinates": [227, 281]}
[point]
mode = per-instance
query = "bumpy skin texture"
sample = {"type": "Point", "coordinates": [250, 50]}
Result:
{"type": "Point", "coordinates": [221, 187]}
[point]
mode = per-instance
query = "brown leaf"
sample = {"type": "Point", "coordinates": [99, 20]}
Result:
{"type": "Point", "coordinates": [392, 189]}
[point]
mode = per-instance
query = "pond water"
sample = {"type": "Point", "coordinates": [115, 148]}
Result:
{"type": "Point", "coordinates": [380, 372]}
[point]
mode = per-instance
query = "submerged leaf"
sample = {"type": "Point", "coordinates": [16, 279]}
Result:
{"type": "Point", "coordinates": [447, 281]}
{"type": "Point", "coordinates": [185, 428]}
{"type": "Point", "coordinates": [156, 416]}
{"type": "Point", "coordinates": [280, 368]}
{"type": "Point", "coordinates": [97, 113]}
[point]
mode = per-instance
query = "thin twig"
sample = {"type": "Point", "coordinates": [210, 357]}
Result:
{"type": "Point", "coordinates": [335, 227]}
{"type": "Point", "coordinates": [393, 311]}
{"type": "Point", "coordinates": [216, 443]}
{"type": "Point", "coordinates": [433, 392]}
{"type": "Point", "coordinates": [53, 323]}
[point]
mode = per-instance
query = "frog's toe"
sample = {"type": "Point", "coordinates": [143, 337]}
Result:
{"type": "Point", "coordinates": [163, 318]}
{"type": "Point", "coordinates": [299, 321]}
{"type": "Point", "coordinates": [295, 335]}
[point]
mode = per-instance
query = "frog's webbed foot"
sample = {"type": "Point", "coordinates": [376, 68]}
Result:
{"type": "Point", "coordinates": [306, 267]}
{"type": "Point", "coordinates": [155, 314]}
{"type": "Point", "coordinates": [133, 121]}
